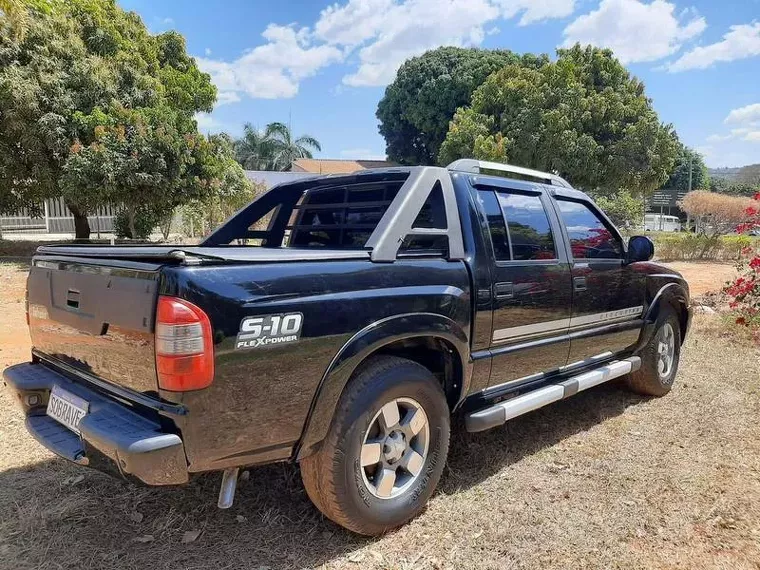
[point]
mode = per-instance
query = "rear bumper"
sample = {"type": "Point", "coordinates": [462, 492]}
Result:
{"type": "Point", "coordinates": [114, 438]}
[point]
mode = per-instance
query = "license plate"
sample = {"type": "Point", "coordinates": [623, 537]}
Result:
{"type": "Point", "coordinates": [66, 408]}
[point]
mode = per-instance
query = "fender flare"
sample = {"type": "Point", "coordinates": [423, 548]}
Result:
{"type": "Point", "coordinates": [671, 294]}
{"type": "Point", "coordinates": [362, 345]}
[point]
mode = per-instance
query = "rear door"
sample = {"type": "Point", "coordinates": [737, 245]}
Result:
{"type": "Point", "coordinates": [531, 285]}
{"type": "Point", "coordinates": [608, 299]}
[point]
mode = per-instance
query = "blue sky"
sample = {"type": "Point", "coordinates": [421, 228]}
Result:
{"type": "Point", "coordinates": [324, 66]}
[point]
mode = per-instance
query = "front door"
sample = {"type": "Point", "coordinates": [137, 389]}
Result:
{"type": "Point", "coordinates": [531, 286]}
{"type": "Point", "coordinates": [608, 302]}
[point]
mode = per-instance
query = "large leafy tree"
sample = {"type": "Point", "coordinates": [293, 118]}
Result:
{"type": "Point", "coordinates": [416, 109]}
{"type": "Point", "coordinates": [582, 116]}
{"type": "Point", "coordinates": [688, 159]}
{"type": "Point", "coordinates": [273, 148]}
{"type": "Point", "coordinates": [97, 109]}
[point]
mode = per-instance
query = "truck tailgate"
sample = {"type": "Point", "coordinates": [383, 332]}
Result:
{"type": "Point", "coordinates": [96, 316]}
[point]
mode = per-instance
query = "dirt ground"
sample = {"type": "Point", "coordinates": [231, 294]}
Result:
{"type": "Point", "coordinates": [603, 480]}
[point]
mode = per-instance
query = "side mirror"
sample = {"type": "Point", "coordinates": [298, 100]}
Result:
{"type": "Point", "coordinates": [640, 248]}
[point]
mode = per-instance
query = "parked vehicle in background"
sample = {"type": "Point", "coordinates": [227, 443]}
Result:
{"type": "Point", "coordinates": [661, 223]}
{"type": "Point", "coordinates": [373, 307]}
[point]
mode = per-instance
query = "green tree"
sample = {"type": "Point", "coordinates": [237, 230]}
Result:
{"type": "Point", "coordinates": [274, 148]}
{"type": "Point", "coordinates": [98, 110]}
{"type": "Point", "coordinates": [205, 214]}
{"type": "Point", "coordinates": [416, 109]}
{"type": "Point", "coordinates": [679, 177]}
{"type": "Point", "coordinates": [582, 116]}
{"type": "Point", "coordinates": [731, 187]}
{"type": "Point", "coordinates": [286, 149]}
{"type": "Point", "coordinates": [254, 149]}
{"type": "Point", "coordinates": [624, 209]}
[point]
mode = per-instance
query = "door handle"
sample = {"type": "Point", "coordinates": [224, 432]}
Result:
{"type": "Point", "coordinates": [504, 290]}
{"type": "Point", "coordinates": [579, 283]}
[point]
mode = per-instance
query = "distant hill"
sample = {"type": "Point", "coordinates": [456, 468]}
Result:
{"type": "Point", "coordinates": [727, 173]}
{"type": "Point", "coordinates": [749, 174]}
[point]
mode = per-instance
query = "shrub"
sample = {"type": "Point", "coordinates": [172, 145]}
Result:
{"type": "Point", "coordinates": [689, 246]}
{"type": "Point", "coordinates": [744, 291]}
{"type": "Point", "coordinates": [719, 213]}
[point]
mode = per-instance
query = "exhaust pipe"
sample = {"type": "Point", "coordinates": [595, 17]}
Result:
{"type": "Point", "coordinates": [227, 489]}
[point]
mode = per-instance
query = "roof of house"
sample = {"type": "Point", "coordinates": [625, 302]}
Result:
{"type": "Point", "coordinates": [336, 166]}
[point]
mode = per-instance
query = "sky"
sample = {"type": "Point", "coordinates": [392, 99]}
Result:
{"type": "Point", "coordinates": [322, 67]}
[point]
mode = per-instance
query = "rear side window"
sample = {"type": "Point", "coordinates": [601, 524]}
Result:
{"type": "Point", "coordinates": [590, 237]}
{"type": "Point", "coordinates": [496, 226]}
{"type": "Point", "coordinates": [528, 230]}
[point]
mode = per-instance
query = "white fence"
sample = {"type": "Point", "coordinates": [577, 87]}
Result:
{"type": "Point", "coordinates": [56, 220]}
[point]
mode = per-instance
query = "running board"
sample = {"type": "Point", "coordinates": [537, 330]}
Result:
{"type": "Point", "coordinates": [503, 411]}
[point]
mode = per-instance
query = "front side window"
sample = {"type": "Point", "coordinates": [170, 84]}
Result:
{"type": "Point", "coordinates": [529, 233]}
{"type": "Point", "coordinates": [590, 237]}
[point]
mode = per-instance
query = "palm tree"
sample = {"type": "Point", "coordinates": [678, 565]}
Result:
{"type": "Point", "coordinates": [254, 150]}
{"type": "Point", "coordinates": [285, 149]}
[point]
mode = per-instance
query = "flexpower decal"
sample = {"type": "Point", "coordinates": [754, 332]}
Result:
{"type": "Point", "coordinates": [269, 330]}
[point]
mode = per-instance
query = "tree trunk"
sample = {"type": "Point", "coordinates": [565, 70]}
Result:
{"type": "Point", "coordinates": [81, 224]}
{"type": "Point", "coordinates": [131, 217]}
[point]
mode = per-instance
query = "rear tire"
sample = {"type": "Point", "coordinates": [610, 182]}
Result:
{"type": "Point", "coordinates": [386, 448]}
{"type": "Point", "coordinates": [659, 358]}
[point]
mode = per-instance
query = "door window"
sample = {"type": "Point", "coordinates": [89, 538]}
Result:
{"type": "Point", "coordinates": [496, 226]}
{"type": "Point", "coordinates": [590, 237]}
{"type": "Point", "coordinates": [528, 230]}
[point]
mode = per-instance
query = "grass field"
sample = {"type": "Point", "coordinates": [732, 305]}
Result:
{"type": "Point", "coordinates": [603, 480]}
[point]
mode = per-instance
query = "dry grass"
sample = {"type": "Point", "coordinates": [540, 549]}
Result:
{"type": "Point", "coordinates": [603, 480]}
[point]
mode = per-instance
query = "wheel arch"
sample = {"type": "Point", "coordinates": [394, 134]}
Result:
{"type": "Point", "coordinates": [434, 341]}
{"type": "Point", "coordinates": [673, 295]}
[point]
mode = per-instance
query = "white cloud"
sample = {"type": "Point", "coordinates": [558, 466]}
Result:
{"type": "Point", "coordinates": [748, 119]}
{"type": "Point", "coordinates": [387, 32]}
{"type": "Point", "coordinates": [272, 70]}
{"type": "Point", "coordinates": [634, 30]}
{"type": "Point", "coordinates": [168, 21]}
{"type": "Point", "coordinates": [744, 115]}
{"type": "Point", "coordinates": [417, 26]}
{"type": "Point", "coordinates": [740, 42]}
{"type": "Point", "coordinates": [536, 10]}
{"type": "Point", "coordinates": [207, 52]}
{"type": "Point", "coordinates": [380, 34]}
{"type": "Point", "coordinates": [353, 23]}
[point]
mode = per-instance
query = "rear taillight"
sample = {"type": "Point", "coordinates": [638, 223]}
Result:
{"type": "Point", "coordinates": [184, 346]}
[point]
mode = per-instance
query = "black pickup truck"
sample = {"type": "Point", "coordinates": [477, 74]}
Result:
{"type": "Point", "coordinates": [338, 322]}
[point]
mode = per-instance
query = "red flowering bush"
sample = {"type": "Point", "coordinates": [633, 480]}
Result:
{"type": "Point", "coordinates": [744, 291]}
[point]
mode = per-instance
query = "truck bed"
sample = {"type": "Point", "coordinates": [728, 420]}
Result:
{"type": "Point", "coordinates": [179, 254]}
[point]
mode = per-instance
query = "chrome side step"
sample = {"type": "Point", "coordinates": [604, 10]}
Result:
{"type": "Point", "coordinates": [503, 411]}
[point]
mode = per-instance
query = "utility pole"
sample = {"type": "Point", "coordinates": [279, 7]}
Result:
{"type": "Point", "coordinates": [691, 158]}
{"type": "Point", "coordinates": [688, 217]}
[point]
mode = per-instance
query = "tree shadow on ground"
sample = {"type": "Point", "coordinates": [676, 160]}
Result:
{"type": "Point", "coordinates": [50, 515]}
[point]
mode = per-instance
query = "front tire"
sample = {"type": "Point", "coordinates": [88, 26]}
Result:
{"type": "Point", "coordinates": [386, 448]}
{"type": "Point", "coordinates": [659, 358]}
